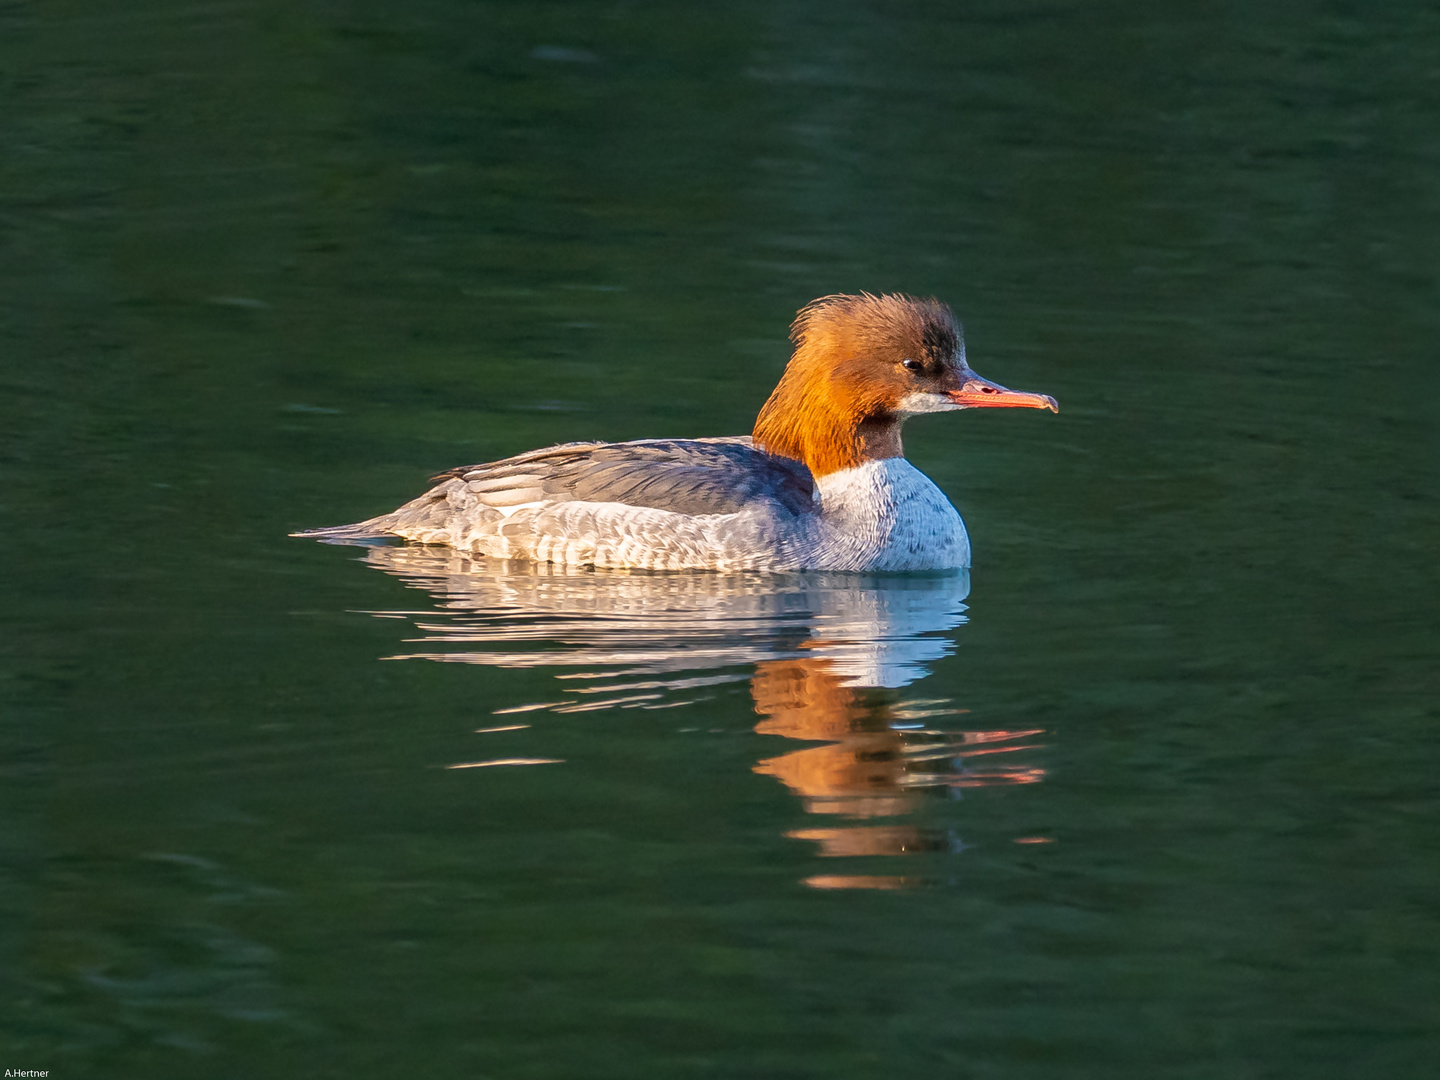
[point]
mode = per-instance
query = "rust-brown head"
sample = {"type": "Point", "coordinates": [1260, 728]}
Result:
{"type": "Point", "coordinates": [861, 365]}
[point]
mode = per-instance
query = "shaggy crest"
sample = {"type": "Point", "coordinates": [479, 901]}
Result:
{"type": "Point", "coordinates": [923, 322]}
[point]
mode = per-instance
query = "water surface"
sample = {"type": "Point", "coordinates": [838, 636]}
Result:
{"type": "Point", "coordinates": [1151, 793]}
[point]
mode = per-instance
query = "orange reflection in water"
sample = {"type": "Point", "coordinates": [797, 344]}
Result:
{"type": "Point", "coordinates": [861, 881]}
{"type": "Point", "coordinates": [875, 761]}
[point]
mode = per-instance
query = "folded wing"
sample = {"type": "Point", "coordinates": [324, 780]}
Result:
{"type": "Point", "coordinates": [694, 477]}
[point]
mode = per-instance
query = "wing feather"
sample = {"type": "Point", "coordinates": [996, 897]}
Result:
{"type": "Point", "coordinates": [685, 476]}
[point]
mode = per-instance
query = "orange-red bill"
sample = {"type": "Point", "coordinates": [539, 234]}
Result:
{"type": "Point", "coordinates": [978, 393]}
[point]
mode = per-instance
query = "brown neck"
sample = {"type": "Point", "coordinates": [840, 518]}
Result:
{"type": "Point", "coordinates": [802, 420]}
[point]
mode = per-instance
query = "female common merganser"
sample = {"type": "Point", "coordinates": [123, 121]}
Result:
{"type": "Point", "coordinates": [821, 484]}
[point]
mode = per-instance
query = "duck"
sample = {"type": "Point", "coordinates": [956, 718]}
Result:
{"type": "Point", "coordinates": [821, 483]}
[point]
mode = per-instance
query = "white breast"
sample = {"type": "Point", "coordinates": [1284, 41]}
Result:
{"type": "Point", "coordinates": [888, 515]}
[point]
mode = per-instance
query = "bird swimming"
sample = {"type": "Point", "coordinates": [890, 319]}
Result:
{"type": "Point", "coordinates": [820, 484]}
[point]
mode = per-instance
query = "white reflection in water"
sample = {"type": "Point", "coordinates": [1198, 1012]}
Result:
{"type": "Point", "coordinates": [824, 655]}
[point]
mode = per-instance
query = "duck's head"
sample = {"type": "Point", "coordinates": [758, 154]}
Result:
{"type": "Point", "coordinates": [861, 366]}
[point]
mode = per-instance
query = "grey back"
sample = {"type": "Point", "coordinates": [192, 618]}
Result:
{"type": "Point", "coordinates": [685, 476]}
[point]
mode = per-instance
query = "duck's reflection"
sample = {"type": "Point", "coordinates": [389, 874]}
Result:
{"type": "Point", "coordinates": [826, 657]}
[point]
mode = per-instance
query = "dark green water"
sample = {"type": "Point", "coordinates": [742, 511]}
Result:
{"type": "Point", "coordinates": [268, 265]}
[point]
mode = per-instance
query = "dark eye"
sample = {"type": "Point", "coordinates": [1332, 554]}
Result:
{"type": "Point", "coordinates": [912, 365]}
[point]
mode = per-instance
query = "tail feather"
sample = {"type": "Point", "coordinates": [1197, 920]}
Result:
{"type": "Point", "coordinates": [374, 530]}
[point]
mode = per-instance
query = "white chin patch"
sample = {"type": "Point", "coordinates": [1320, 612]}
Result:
{"type": "Point", "coordinates": [912, 404]}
